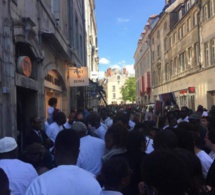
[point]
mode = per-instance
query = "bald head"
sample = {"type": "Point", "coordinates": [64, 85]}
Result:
{"type": "Point", "coordinates": [80, 128]}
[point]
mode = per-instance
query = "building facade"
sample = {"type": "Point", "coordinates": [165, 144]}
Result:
{"type": "Point", "coordinates": [114, 81]}
{"type": "Point", "coordinates": [40, 41]}
{"type": "Point", "coordinates": [186, 50]}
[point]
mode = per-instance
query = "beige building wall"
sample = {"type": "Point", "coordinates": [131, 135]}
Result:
{"type": "Point", "coordinates": [186, 63]}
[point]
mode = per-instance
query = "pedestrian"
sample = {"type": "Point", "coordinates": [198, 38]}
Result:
{"type": "Point", "coordinates": [66, 178]}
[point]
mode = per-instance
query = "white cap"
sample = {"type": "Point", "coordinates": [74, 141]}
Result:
{"type": "Point", "coordinates": [205, 114]}
{"type": "Point", "coordinates": [7, 144]}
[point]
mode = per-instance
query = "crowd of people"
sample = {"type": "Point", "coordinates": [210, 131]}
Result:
{"type": "Point", "coordinates": [112, 151]}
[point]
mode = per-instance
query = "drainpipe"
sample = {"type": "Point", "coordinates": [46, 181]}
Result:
{"type": "Point", "coordinates": [199, 5]}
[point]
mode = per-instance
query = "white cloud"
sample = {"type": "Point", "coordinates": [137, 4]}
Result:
{"type": "Point", "coordinates": [115, 66]}
{"type": "Point", "coordinates": [121, 20]}
{"type": "Point", "coordinates": [101, 74]}
{"type": "Point", "coordinates": [104, 61]}
{"type": "Point", "coordinates": [130, 68]}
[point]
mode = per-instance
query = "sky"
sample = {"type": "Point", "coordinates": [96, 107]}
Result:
{"type": "Point", "coordinates": [119, 26]}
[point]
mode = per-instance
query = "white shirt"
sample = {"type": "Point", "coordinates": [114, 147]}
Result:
{"type": "Point", "coordinates": [108, 121]}
{"type": "Point", "coordinates": [65, 180]}
{"type": "Point", "coordinates": [149, 145]}
{"type": "Point", "coordinates": [91, 151]}
{"type": "Point", "coordinates": [206, 162]}
{"type": "Point", "coordinates": [100, 132]}
{"type": "Point", "coordinates": [107, 192]}
{"type": "Point", "coordinates": [104, 125]}
{"type": "Point", "coordinates": [20, 175]}
{"type": "Point", "coordinates": [186, 119]}
{"type": "Point", "coordinates": [212, 154]}
{"type": "Point", "coordinates": [53, 130]}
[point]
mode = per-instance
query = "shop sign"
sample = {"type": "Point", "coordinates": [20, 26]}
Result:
{"type": "Point", "coordinates": [183, 92]}
{"type": "Point", "coordinates": [24, 66]}
{"type": "Point", "coordinates": [191, 90]}
{"type": "Point", "coordinates": [94, 75]}
{"type": "Point", "coordinates": [78, 77]}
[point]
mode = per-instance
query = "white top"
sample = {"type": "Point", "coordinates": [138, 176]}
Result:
{"type": "Point", "coordinates": [50, 111]}
{"type": "Point", "coordinates": [66, 125]}
{"type": "Point", "coordinates": [131, 124]}
{"type": "Point", "coordinates": [106, 192]}
{"type": "Point", "coordinates": [212, 154]}
{"type": "Point", "coordinates": [206, 162]}
{"type": "Point", "coordinates": [108, 121]}
{"type": "Point", "coordinates": [65, 180]}
{"type": "Point", "coordinates": [91, 151]}
{"type": "Point", "coordinates": [100, 132]}
{"type": "Point", "coordinates": [149, 145]}
{"type": "Point", "coordinates": [186, 119]}
{"type": "Point", "coordinates": [53, 130]}
{"type": "Point", "coordinates": [104, 125]}
{"type": "Point", "coordinates": [20, 175]}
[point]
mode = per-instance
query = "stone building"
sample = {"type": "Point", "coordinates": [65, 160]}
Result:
{"type": "Point", "coordinates": [114, 81]}
{"type": "Point", "coordinates": [40, 40]}
{"type": "Point", "coordinates": [186, 66]}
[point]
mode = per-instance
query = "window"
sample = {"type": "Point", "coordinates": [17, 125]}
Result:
{"type": "Point", "coordinates": [167, 72]}
{"type": "Point", "coordinates": [118, 77]}
{"type": "Point", "coordinates": [183, 30]}
{"type": "Point", "coordinates": [195, 18]}
{"type": "Point", "coordinates": [174, 37]}
{"type": "Point", "coordinates": [174, 71]}
{"type": "Point", "coordinates": [207, 57]}
{"type": "Point", "coordinates": [196, 52]}
{"type": "Point", "coordinates": [213, 51]}
{"type": "Point", "coordinates": [152, 41]}
{"type": "Point", "coordinates": [180, 33]}
{"type": "Point", "coordinates": [170, 69]}
{"type": "Point", "coordinates": [180, 14]}
{"type": "Point", "coordinates": [188, 24]}
{"type": "Point", "coordinates": [189, 58]}
{"type": "Point", "coordinates": [211, 8]}
{"type": "Point", "coordinates": [165, 44]}
{"type": "Point", "coordinates": [205, 12]}
{"type": "Point", "coordinates": [182, 62]}
{"type": "Point", "coordinates": [188, 5]}
{"type": "Point", "coordinates": [171, 41]}
{"type": "Point", "coordinates": [113, 88]}
{"type": "Point", "coordinates": [159, 74]}
{"type": "Point", "coordinates": [158, 34]}
{"type": "Point", "coordinates": [158, 51]}
{"type": "Point", "coordinates": [153, 56]}
{"type": "Point", "coordinates": [114, 95]}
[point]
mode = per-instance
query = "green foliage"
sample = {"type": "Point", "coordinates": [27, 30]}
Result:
{"type": "Point", "coordinates": [128, 90]}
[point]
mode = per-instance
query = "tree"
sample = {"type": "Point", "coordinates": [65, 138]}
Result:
{"type": "Point", "coordinates": [128, 90]}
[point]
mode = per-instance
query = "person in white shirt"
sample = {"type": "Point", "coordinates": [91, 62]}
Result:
{"type": "Point", "coordinates": [204, 158]}
{"type": "Point", "coordinates": [210, 142]}
{"type": "Point", "coordinates": [95, 126]}
{"type": "Point", "coordinates": [105, 117]}
{"type": "Point", "coordinates": [19, 173]}
{"type": "Point", "coordinates": [66, 178]}
{"type": "Point", "coordinates": [183, 114]}
{"type": "Point", "coordinates": [54, 128]}
{"type": "Point", "coordinates": [91, 149]}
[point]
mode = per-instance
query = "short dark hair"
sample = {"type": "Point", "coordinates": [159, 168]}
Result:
{"type": "Point", "coordinates": [119, 134]}
{"type": "Point", "coordinates": [67, 143]}
{"type": "Point", "coordinates": [52, 101]}
{"type": "Point", "coordinates": [165, 139]}
{"type": "Point", "coordinates": [113, 170]}
{"type": "Point", "coordinates": [165, 171]}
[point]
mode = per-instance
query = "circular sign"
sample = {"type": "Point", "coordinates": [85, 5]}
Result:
{"type": "Point", "coordinates": [24, 65]}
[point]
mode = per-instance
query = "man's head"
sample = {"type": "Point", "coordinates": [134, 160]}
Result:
{"type": "Point", "coordinates": [59, 118]}
{"type": "Point", "coordinates": [8, 148]}
{"type": "Point", "coordinates": [184, 112]}
{"type": "Point", "coordinates": [36, 122]}
{"type": "Point", "coordinates": [52, 102]}
{"type": "Point", "coordinates": [80, 128]}
{"type": "Point", "coordinates": [67, 147]}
